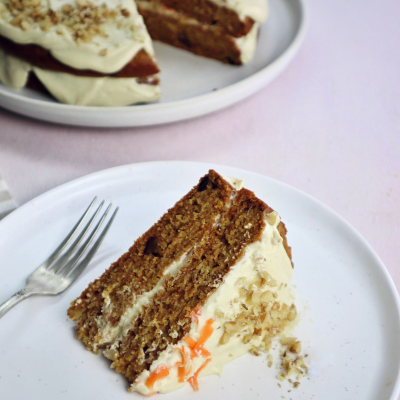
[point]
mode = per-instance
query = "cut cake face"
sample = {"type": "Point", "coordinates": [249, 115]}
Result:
{"type": "Point", "coordinates": [100, 53]}
{"type": "Point", "coordinates": [209, 282]}
{"type": "Point", "coordinates": [106, 308]}
{"type": "Point", "coordinates": [225, 30]}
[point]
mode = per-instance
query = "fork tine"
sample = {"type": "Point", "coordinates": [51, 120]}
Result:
{"type": "Point", "coordinates": [84, 263]}
{"type": "Point", "coordinates": [71, 264]}
{"type": "Point", "coordinates": [64, 258]}
{"type": "Point", "coordinates": [62, 245]}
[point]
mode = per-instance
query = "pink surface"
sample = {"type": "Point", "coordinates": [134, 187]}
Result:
{"type": "Point", "coordinates": [329, 125]}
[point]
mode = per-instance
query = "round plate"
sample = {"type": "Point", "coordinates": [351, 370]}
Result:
{"type": "Point", "coordinates": [349, 306]}
{"type": "Point", "coordinates": [191, 85]}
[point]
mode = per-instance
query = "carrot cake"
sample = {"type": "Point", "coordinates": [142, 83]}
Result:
{"type": "Point", "coordinates": [82, 52]}
{"type": "Point", "coordinates": [209, 282]}
{"type": "Point", "coordinates": [100, 53]}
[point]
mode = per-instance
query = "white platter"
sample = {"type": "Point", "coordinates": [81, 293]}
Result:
{"type": "Point", "coordinates": [350, 325]}
{"type": "Point", "coordinates": [191, 85]}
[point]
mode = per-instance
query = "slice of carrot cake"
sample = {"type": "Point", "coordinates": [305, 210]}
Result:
{"type": "Point", "coordinates": [225, 30]}
{"type": "Point", "coordinates": [207, 283]}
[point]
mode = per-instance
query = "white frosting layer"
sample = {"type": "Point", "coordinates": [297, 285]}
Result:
{"type": "Point", "coordinates": [78, 90]}
{"type": "Point", "coordinates": [102, 92]}
{"type": "Point", "coordinates": [13, 71]}
{"type": "Point", "coordinates": [235, 182]}
{"type": "Point", "coordinates": [255, 9]}
{"type": "Point", "coordinates": [121, 43]}
{"type": "Point", "coordinates": [266, 255]}
{"type": "Point", "coordinates": [247, 44]}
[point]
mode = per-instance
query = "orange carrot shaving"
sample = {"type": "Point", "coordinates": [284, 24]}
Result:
{"type": "Point", "coordinates": [159, 373]}
{"type": "Point", "coordinates": [190, 342]}
{"type": "Point", "coordinates": [200, 351]}
{"type": "Point", "coordinates": [197, 348]}
{"type": "Point", "coordinates": [193, 380]}
{"type": "Point", "coordinates": [205, 333]}
{"type": "Point", "coordinates": [182, 366]}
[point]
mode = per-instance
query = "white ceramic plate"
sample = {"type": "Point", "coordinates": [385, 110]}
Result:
{"type": "Point", "coordinates": [350, 324]}
{"type": "Point", "coordinates": [191, 85]}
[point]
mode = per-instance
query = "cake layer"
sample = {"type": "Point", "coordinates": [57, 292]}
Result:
{"type": "Point", "coordinates": [141, 65]}
{"type": "Point", "coordinates": [210, 13]}
{"type": "Point", "coordinates": [105, 309]}
{"type": "Point", "coordinates": [168, 319]}
{"type": "Point", "coordinates": [173, 28]}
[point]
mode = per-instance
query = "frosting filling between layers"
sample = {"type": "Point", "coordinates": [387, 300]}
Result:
{"type": "Point", "coordinates": [266, 257]}
{"type": "Point", "coordinates": [78, 90]}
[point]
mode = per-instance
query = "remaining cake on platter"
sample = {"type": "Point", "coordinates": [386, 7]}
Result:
{"type": "Point", "coordinates": [209, 282]}
{"type": "Point", "coordinates": [99, 52]}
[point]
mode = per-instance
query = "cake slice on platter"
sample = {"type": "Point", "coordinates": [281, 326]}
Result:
{"type": "Point", "coordinates": [209, 282]}
{"type": "Point", "coordinates": [225, 30]}
{"type": "Point", "coordinates": [82, 52]}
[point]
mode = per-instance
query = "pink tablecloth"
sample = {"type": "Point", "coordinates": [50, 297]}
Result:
{"type": "Point", "coordinates": [329, 125]}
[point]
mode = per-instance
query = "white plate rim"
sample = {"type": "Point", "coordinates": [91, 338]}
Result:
{"type": "Point", "coordinates": [237, 171]}
{"type": "Point", "coordinates": [207, 103]}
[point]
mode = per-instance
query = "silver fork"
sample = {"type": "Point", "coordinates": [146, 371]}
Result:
{"type": "Point", "coordinates": [58, 272]}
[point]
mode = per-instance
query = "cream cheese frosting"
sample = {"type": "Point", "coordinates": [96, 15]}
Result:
{"type": "Point", "coordinates": [234, 182]}
{"type": "Point", "coordinates": [13, 71]}
{"type": "Point", "coordinates": [266, 257]}
{"type": "Point", "coordinates": [247, 44]}
{"type": "Point", "coordinates": [255, 9]}
{"type": "Point", "coordinates": [97, 92]}
{"type": "Point", "coordinates": [119, 39]}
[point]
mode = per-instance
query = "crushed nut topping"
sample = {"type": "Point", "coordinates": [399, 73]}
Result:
{"type": "Point", "coordinates": [83, 21]}
{"type": "Point", "coordinates": [263, 317]}
{"type": "Point", "coordinates": [292, 362]}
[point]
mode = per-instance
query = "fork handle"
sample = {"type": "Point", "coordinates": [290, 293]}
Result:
{"type": "Point", "coordinates": [14, 300]}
